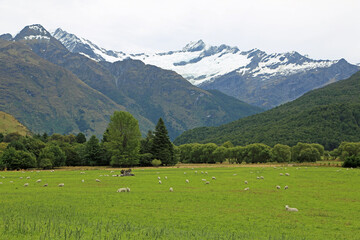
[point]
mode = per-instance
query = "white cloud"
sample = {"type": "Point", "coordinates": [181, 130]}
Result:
{"type": "Point", "coordinates": [323, 29]}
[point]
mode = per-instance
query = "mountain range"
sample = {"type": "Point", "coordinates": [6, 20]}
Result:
{"type": "Point", "coordinates": [328, 116]}
{"type": "Point", "coordinates": [253, 76]}
{"type": "Point", "coordinates": [49, 88]}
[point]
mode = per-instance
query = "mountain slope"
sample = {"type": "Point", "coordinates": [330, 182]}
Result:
{"type": "Point", "coordinates": [46, 97]}
{"type": "Point", "coordinates": [327, 116]}
{"type": "Point", "coordinates": [148, 92]}
{"type": "Point", "coordinates": [9, 124]}
{"type": "Point", "coordinates": [258, 78]}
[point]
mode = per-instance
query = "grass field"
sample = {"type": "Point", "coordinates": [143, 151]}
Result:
{"type": "Point", "coordinates": [328, 200]}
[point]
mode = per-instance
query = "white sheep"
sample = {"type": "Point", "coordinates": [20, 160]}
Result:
{"type": "Point", "coordinates": [281, 174]}
{"type": "Point", "coordinates": [245, 189]}
{"type": "Point", "coordinates": [1, 183]}
{"type": "Point", "coordinates": [159, 178]}
{"type": "Point", "coordinates": [261, 177]}
{"type": "Point", "coordinates": [52, 170]}
{"type": "Point", "coordinates": [287, 208]}
{"type": "Point", "coordinates": [286, 187]}
{"type": "Point", "coordinates": [287, 174]}
{"type": "Point", "coordinates": [234, 174]}
{"type": "Point", "coordinates": [214, 178]}
{"type": "Point", "coordinates": [206, 172]}
{"type": "Point", "coordinates": [195, 172]}
{"type": "Point", "coordinates": [122, 190]}
{"type": "Point", "coordinates": [39, 180]}
{"type": "Point", "coordinates": [98, 180]}
{"type": "Point", "coordinates": [61, 185]}
{"type": "Point", "coordinates": [27, 177]}
{"type": "Point", "coordinates": [26, 184]}
{"type": "Point", "coordinates": [246, 182]}
{"type": "Point", "coordinates": [171, 189]}
{"type": "Point", "coordinates": [160, 182]}
{"type": "Point", "coordinates": [257, 177]}
{"type": "Point", "coordinates": [45, 185]}
{"type": "Point", "coordinates": [11, 181]}
{"type": "Point", "coordinates": [203, 180]}
{"type": "Point", "coordinates": [165, 177]}
{"type": "Point", "coordinates": [83, 180]}
{"type": "Point", "coordinates": [21, 177]}
{"type": "Point", "coordinates": [278, 187]}
{"type": "Point", "coordinates": [184, 172]}
{"type": "Point", "coordinates": [82, 172]}
{"type": "Point", "coordinates": [207, 182]}
{"type": "Point", "coordinates": [187, 181]}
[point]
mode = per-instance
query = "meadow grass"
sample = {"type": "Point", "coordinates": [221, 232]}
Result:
{"type": "Point", "coordinates": [328, 200]}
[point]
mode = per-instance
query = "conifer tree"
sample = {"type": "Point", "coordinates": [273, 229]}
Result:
{"type": "Point", "coordinates": [162, 147]}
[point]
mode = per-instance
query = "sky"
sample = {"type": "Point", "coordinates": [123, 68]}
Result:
{"type": "Point", "coordinates": [321, 29]}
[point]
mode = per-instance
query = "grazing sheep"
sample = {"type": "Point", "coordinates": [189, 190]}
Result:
{"type": "Point", "coordinates": [160, 182]}
{"type": "Point", "coordinates": [37, 171]}
{"type": "Point", "coordinates": [261, 177]}
{"type": "Point", "coordinates": [26, 184]}
{"type": "Point", "coordinates": [246, 182]}
{"type": "Point", "coordinates": [128, 189]}
{"type": "Point", "coordinates": [39, 180]}
{"type": "Point", "coordinates": [52, 170]}
{"type": "Point", "coordinates": [61, 185]}
{"type": "Point", "coordinates": [184, 172]}
{"type": "Point", "coordinates": [202, 172]}
{"type": "Point", "coordinates": [206, 172]}
{"type": "Point", "coordinates": [203, 180]}
{"type": "Point", "coordinates": [165, 177]}
{"type": "Point", "coordinates": [98, 180]}
{"type": "Point", "coordinates": [111, 171]}
{"type": "Point", "coordinates": [281, 174]}
{"type": "Point", "coordinates": [207, 182]}
{"type": "Point", "coordinates": [11, 181]}
{"type": "Point", "coordinates": [286, 187]}
{"type": "Point", "coordinates": [21, 177]}
{"type": "Point", "coordinates": [187, 180]}
{"type": "Point", "coordinates": [159, 178]}
{"type": "Point", "coordinates": [234, 174]}
{"type": "Point", "coordinates": [45, 185]}
{"type": "Point", "coordinates": [122, 190]}
{"type": "Point", "coordinates": [257, 177]}
{"type": "Point", "coordinates": [83, 180]}
{"type": "Point", "coordinates": [195, 172]}
{"type": "Point", "coordinates": [171, 189]}
{"type": "Point", "coordinates": [214, 178]}
{"type": "Point", "coordinates": [287, 208]}
{"type": "Point", "coordinates": [1, 183]}
{"type": "Point", "coordinates": [278, 187]}
{"type": "Point", "coordinates": [27, 177]}
{"type": "Point", "coordinates": [82, 172]}
{"type": "Point", "coordinates": [287, 174]}
{"type": "Point", "coordinates": [245, 189]}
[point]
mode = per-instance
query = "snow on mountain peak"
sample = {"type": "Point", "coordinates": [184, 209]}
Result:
{"type": "Point", "coordinates": [194, 46]}
{"type": "Point", "coordinates": [199, 63]}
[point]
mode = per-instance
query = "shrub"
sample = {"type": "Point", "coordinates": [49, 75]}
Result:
{"type": "Point", "coordinates": [156, 162]}
{"type": "Point", "coordinates": [352, 161]}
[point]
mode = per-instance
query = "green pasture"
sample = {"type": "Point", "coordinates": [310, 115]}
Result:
{"type": "Point", "coordinates": [328, 200]}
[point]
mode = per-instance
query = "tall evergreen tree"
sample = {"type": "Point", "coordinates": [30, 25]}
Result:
{"type": "Point", "coordinates": [80, 138]}
{"type": "Point", "coordinates": [93, 152]}
{"type": "Point", "coordinates": [162, 147]}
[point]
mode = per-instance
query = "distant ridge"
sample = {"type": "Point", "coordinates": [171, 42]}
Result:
{"type": "Point", "coordinates": [253, 76]}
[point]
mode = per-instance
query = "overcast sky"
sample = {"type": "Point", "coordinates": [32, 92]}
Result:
{"type": "Point", "coordinates": [322, 29]}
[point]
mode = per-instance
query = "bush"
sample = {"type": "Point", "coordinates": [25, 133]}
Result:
{"type": "Point", "coordinates": [352, 161]}
{"type": "Point", "coordinates": [156, 162]}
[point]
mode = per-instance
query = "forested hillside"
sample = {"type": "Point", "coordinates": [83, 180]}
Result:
{"type": "Point", "coordinates": [327, 116]}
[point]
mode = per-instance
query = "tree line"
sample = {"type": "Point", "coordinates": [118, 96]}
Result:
{"type": "Point", "coordinates": [122, 146]}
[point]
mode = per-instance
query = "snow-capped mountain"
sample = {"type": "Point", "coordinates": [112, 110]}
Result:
{"type": "Point", "coordinates": [242, 74]}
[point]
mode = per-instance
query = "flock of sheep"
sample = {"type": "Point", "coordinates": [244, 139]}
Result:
{"type": "Point", "coordinates": [171, 189]}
